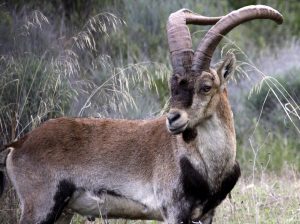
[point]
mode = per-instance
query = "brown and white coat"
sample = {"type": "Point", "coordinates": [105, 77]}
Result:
{"type": "Point", "coordinates": [176, 168]}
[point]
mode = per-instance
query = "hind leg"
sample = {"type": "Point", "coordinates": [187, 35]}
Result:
{"type": "Point", "coordinates": [45, 205]}
{"type": "Point", "coordinates": [43, 195]}
{"type": "Point", "coordinates": [33, 212]}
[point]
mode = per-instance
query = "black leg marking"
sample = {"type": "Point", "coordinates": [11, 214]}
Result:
{"type": "Point", "coordinates": [226, 186]}
{"type": "Point", "coordinates": [65, 189]}
{"type": "Point", "coordinates": [185, 209]}
{"type": "Point", "coordinates": [196, 190]}
{"type": "Point", "coordinates": [195, 185]}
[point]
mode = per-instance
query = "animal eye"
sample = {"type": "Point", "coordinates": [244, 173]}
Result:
{"type": "Point", "coordinates": [205, 89]}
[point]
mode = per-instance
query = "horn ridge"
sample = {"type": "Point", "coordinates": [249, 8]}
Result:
{"type": "Point", "coordinates": [207, 46]}
{"type": "Point", "coordinates": [179, 37]}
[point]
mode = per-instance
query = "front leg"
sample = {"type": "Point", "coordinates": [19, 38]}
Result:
{"type": "Point", "coordinates": [208, 217]}
{"type": "Point", "coordinates": [182, 212]}
{"type": "Point", "coordinates": [178, 212]}
{"type": "Point", "coordinates": [198, 217]}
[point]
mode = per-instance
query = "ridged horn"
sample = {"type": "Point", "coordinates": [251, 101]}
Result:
{"type": "Point", "coordinates": [212, 38]}
{"type": "Point", "coordinates": [179, 37]}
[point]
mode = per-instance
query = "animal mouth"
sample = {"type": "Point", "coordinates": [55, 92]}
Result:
{"type": "Point", "coordinates": [177, 129]}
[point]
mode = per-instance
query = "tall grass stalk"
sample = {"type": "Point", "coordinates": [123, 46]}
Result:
{"type": "Point", "coordinates": [274, 86]}
{"type": "Point", "coordinates": [117, 88]}
{"type": "Point", "coordinates": [39, 84]}
{"type": "Point", "coordinates": [285, 100]}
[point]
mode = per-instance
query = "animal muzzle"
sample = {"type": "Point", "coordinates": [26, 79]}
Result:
{"type": "Point", "coordinates": [177, 121]}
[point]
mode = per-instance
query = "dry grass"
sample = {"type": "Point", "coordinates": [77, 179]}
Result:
{"type": "Point", "coordinates": [266, 198]}
{"type": "Point", "coordinates": [260, 198]}
{"type": "Point", "coordinates": [284, 98]}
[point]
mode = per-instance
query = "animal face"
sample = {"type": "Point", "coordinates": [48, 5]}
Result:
{"type": "Point", "coordinates": [195, 97]}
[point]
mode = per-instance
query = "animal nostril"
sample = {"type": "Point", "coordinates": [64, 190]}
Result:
{"type": "Point", "coordinates": [173, 117]}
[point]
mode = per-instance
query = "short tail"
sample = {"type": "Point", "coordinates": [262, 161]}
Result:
{"type": "Point", "coordinates": [3, 156]}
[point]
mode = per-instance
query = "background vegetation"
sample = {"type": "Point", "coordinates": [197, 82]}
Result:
{"type": "Point", "coordinates": [110, 58]}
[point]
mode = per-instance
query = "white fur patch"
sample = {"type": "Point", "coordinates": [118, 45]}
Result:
{"type": "Point", "coordinates": [215, 147]}
{"type": "Point", "coordinates": [10, 173]}
{"type": "Point", "coordinates": [88, 204]}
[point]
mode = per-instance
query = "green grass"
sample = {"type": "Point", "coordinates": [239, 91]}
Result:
{"type": "Point", "coordinates": [269, 151]}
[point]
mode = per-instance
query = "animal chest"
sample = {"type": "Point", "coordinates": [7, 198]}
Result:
{"type": "Point", "coordinates": [197, 190]}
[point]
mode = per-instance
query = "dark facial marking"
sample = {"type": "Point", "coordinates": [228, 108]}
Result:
{"type": "Point", "coordinates": [182, 82]}
{"type": "Point", "coordinates": [65, 189]}
{"type": "Point", "coordinates": [181, 92]}
{"type": "Point", "coordinates": [189, 135]}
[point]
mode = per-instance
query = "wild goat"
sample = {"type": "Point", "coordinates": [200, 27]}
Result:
{"type": "Point", "coordinates": [176, 168]}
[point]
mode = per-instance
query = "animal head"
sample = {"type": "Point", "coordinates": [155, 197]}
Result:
{"type": "Point", "coordinates": [196, 88]}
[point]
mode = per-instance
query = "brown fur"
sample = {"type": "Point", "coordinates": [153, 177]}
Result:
{"type": "Point", "coordinates": [142, 169]}
{"type": "Point", "coordinates": [137, 162]}
{"type": "Point", "coordinates": [72, 141]}
{"type": "Point", "coordinates": [133, 169]}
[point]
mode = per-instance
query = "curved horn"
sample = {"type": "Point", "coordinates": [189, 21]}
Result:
{"type": "Point", "coordinates": [179, 37]}
{"type": "Point", "coordinates": [212, 38]}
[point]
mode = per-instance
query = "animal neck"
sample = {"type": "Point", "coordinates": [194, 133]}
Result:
{"type": "Point", "coordinates": [210, 147]}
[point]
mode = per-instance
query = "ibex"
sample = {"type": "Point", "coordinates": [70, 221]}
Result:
{"type": "Point", "coordinates": [176, 168]}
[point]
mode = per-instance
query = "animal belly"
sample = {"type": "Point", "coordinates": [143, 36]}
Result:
{"type": "Point", "coordinates": [110, 206]}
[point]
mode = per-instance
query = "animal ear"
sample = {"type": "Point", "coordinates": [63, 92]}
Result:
{"type": "Point", "coordinates": [226, 68]}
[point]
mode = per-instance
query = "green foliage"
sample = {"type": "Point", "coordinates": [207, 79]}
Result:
{"type": "Point", "coordinates": [269, 150]}
{"type": "Point", "coordinates": [30, 89]}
